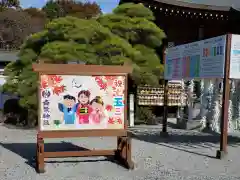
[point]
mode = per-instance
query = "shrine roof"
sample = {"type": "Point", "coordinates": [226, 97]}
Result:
{"type": "Point", "coordinates": [218, 5]}
{"type": "Point", "coordinates": [197, 9]}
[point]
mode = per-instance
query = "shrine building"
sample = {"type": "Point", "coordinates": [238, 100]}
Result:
{"type": "Point", "coordinates": [186, 21]}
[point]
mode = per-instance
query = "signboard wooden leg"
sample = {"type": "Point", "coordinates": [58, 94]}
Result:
{"type": "Point", "coordinates": [123, 153]}
{"type": "Point", "coordinates": [40, 155]}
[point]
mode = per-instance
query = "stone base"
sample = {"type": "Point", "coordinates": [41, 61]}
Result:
{"type": "Point", "coordinates": [188, 125]}
{"type": "Point", "coordinates": [221, 154]}
{"type": "Point", "coordinates": [40, 171]}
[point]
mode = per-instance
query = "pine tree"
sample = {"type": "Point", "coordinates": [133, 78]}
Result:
{"type": "Point", "coordinates": [134, 22]}
{"type": "Point", "coordinates": [94, 41]}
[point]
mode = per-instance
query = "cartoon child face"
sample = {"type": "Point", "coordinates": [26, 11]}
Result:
{"type": "Point", "coordinates": [83, 99]}
{"type": "Point", "coordinates": [97, 107]}
{"type": "Point", "coordinates": [69, 101]}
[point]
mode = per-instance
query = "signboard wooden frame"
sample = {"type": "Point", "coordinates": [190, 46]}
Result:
{"type": "Point", "coordinates": [123, 151]}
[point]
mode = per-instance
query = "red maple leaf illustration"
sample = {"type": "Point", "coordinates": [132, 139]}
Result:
{"type": "Point", "coordinates": [101, 84]}
{"type": "Point", "coordinates": [110, 120]}
{"type": "Point", "coordinates": [57, 79]}
{"type": "Point", "coordinates": [58, 89]}
{"type": "Point", "coordinates": [98, 80]}
{"type": "Point", "coordinates": [119, 120]}
{"type": "Point", "coordinates": [50, 81]}
{"type": "Point", "coordinates": [44, 84]}
{"type": "Point", "coordinates": [109, 107]}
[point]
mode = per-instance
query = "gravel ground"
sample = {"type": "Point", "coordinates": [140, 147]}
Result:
{"type": "Point", "coordinates": [185, 155]}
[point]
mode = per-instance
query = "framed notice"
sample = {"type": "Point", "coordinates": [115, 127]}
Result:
{"type": "Point", "coordinates": [73, 102]}
{"type": "Point", "coordinates": [201, 59]}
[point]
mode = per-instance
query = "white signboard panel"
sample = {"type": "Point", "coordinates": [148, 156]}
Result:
{"type": "Point", "coordinates": [235, 57]}
{"type": "Point", "coordinates": [74, 102]}
{"type": "Point", "coordinates": [202, 59]}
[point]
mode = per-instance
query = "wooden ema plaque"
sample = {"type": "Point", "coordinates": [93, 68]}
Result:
{"type": "Point", "coordinates": [83, 101]}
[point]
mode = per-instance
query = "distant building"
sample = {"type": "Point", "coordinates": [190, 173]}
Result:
{"type": "Point", "coordinates": [5, 58]}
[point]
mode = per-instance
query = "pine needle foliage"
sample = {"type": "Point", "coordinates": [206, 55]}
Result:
{"type": "Point", "coordinates": [128, 35]}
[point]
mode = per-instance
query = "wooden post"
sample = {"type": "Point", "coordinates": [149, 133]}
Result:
{"type": "Point", "coordinates": [123, 152]}
{"type": "Point", "coordinates": [164, 132]}
{"type": "Point", "coordinates": [40, 155]}
{"type": "Point", "coordinates": [226, 94]}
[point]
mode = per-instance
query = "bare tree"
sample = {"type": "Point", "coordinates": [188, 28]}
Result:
{"type": "Point", "coordinates": [16, 25]}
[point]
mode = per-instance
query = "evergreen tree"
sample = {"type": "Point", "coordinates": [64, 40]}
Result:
{"type": "Point", "coordinates": [134, 22]}
{"type": "Point", "coordinates": [101, 41]}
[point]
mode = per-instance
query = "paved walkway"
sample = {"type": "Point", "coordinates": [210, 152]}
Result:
{"type": "Point", "coordinates": [185, 155]}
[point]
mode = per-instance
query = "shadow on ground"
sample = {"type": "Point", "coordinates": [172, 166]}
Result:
{"type": "Point", "coordinates": [194, 126]}
{"type": "Point", "coordinates": [185, 140]}
{"type": "Point", "coordinates": [27, 152]}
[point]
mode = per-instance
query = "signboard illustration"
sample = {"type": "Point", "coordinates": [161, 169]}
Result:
{"type": "Point", "coordinates": [74, 102]}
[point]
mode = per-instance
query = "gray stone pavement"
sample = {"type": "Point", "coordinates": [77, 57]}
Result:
{"type": "Point", "coordinates": [184, 155]}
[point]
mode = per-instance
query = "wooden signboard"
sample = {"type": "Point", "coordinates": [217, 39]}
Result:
{"type": "Point", "coordinates": [83, 101]}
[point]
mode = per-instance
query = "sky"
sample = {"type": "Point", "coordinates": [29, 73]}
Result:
{"type": "Point", "coordinates": [106, 5]}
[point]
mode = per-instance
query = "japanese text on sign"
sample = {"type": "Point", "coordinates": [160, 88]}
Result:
{"type": "Point", "coordinates": [46, 113]}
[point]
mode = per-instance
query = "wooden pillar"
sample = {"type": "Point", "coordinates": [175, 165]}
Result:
{"type": "Point", "coordinates": [226, 95]}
